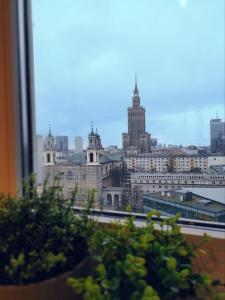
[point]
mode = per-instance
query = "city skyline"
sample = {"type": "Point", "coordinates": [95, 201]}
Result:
{"type": "Point", "coordinates": [86, 55]}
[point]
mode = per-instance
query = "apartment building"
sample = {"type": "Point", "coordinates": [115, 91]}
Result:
{"type": "Point", "coordinates": [167, 163]}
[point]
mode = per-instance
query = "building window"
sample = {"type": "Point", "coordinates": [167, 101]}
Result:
{"type": "Point", "coordinates": [48, 157]}
{"type": "Point", "coordinates": [91, 157]}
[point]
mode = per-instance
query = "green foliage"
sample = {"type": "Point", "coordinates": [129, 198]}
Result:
{"type": "Point", "coordinates": [40, 236]}
{"type": "Point", "coordinates": [144, 263]}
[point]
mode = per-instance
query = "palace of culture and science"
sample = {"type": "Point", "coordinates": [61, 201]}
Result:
{"type": "Point", "coordinates": [136, 138]}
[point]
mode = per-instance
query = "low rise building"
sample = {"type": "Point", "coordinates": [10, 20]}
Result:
{"type": "Point", "coordinates": [165, 162]}
{"type": "Point", "coordinates": [114, 197]}
{"type": "Point", "coordinates": [216, 160]}
{"type": "Point", "coordinates": [157, 182]}
{"type": "Point", "coordinates": [187, 204]}
{"type": "Point", "coordinates": [220, 169]}
{"type": "Point", "coordinates": [171, 163]}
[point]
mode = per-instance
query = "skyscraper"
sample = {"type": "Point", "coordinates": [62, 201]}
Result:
{"type": "Point", "coordinates": [78, 144]}
{"type": "Point", "coordinates": [136, 137]}
{"type": "Point", "coordinates": [217, 136]}
{"type": "Point", "coordinates": [61, 144]}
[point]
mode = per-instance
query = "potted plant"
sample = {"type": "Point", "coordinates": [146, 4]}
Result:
{"type": "Point", "coordinates": [144, 264]}
{"type": "Point", "coordinates": [41, 240]}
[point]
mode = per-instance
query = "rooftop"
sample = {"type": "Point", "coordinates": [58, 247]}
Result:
{"type": "Point", "coordinates": [190, 200]}
{"type": "Point", "coordinates": [216, 194]}
{"type": "Point", "coordinates": [81, 158]}
{"type": "Point", "coordinates": [217, 169]}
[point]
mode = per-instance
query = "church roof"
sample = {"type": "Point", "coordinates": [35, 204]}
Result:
{"type": "Point", "coordinates": [81, 158]}
{"type": "Point", "coordinates": [93, 134]}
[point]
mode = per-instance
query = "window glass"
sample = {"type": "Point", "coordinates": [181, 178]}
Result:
{"type": "Point", "coordinates": [129, 88]}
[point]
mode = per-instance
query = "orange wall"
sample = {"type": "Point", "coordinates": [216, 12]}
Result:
{"type": "Point", "coordinates": [212, 260]}
{"type": "Point", "coordinates": [7, 129]}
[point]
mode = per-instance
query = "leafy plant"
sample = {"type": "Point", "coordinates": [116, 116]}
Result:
{"type": "Point", "coordinates": [40, 235]}
{"type": "Point", "coordinates": [144, 263]}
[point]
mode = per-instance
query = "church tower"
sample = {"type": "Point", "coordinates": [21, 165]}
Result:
{"type": "Point", "coordinates": [94, 148]}
{"type": "Point", "coordinates": [49, 149]}
{"type": "Point", "coordinates": [136, 137]}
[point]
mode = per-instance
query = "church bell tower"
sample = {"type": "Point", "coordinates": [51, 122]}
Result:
{"type": "Point", "coordinates": [49, 149]}
{"type": "Point", "coordinates": [94, 148]}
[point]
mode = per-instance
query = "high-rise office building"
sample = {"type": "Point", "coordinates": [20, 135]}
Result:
{"type": "Point", "coordinates": [78, 144]}
{"type": "Point", "coordinates": [61, 144]}
{"type": "Point", "coordinates": [154, 142]}
{"type": "Point", "coordinates": [217, 136]}
{"type": "Point", "coordinates": [136, 137]}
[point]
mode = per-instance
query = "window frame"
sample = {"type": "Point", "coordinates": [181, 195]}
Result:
{"type": "Point", "coordinates": [23, 99]}
{"type": "Point", "coordinates": [17, 130]}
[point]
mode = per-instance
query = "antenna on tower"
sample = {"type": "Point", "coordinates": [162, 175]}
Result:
{"type": "Point", "coordinates": [49, 129]}
{"type": "Point", "coordinates": [217, 114]}
{"type": "Point", "coordinates": [135, 87]}
{"type": "Point", "coordinates": [135, 80]}
{"type": "Point", "coordinates": [92, 131]}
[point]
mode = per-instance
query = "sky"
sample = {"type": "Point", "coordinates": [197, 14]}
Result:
{"type": "Point", "coordinates": [86, 54]}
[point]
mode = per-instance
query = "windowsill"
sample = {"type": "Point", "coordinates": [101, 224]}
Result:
{"type": "Point", "coordinates": [209, 261]}
{"type": "Point", "coordinates": [187, 230]}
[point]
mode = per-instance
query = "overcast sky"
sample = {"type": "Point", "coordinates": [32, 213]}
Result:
{"type": "Point", "coordinates": [86, 53]}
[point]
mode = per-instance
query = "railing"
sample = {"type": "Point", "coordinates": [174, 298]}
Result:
{"type": "Point", "coordinates": [210, 261]}
{"type": "Point", "coordinates": [198, 224]}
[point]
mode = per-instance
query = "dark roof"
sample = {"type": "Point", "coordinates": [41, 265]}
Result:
{"type": "Point", "coordinates": [195, 201]}
{"type": "Point", "coordinates": [218, 169]}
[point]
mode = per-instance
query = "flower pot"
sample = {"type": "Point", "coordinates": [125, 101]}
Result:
{"type": "Point", "coordinates": [51, 289]}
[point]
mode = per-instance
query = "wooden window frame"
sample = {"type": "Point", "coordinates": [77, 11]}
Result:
{"type": "Point", "coordinates": [17, 117]}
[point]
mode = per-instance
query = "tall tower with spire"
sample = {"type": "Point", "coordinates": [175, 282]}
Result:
{"type": "Point", "coordinates": [136, 137]}
{"type": "Point", "coordinates": [49, 149]}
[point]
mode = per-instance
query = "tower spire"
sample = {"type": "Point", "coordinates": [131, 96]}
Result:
{"type": "Point", "coordinates": [136, 92]}
{"type": "Point", "coordinates": [92, 128]}
{"type": "Point", "coordinates": [49, 130]}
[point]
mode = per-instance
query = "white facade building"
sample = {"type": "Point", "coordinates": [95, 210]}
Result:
{"type": "Point", "coordinates": [156, 182]}
{"type": "Point", "coordinates": [216, 161]}
{"type": "Point", "coordinates": [164, 163]}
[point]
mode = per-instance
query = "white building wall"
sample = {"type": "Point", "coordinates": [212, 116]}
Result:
{"type": "Point", "coordinates": [150, 163]}
{"type": "Point", "coordinates": [216, 160]}
{"type": "Point", "coordinates": [166, 182]}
